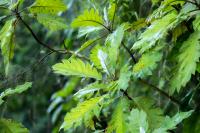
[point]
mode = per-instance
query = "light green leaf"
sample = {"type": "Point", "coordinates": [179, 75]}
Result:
{"type": "Point", "coordinates": [87, 30]}
{"type": "Point", "coordinates": [118, 122]}
{"type": "Point", "coordinates": [187, 59]}
{"type": "Point", "coordinates": [154, 115]}
{"type": "Point", "coordinates": [68, 88]}
{"type": "Point", "coordinates": [196, 23]}
{"type": "Point", "coordinates": [6, 41]}
{"type": "Point", "coordinates": [156, 31]}
{"type": "Point", "coordinates": [170, 123]}
{"type": "Point", "coordinates": [83, 112]}
{"type": "Point", "coordinates": [10, 126]}
{"type": "Point", "coordinates": [76, 67]}
{"type": "Point", "coordinates": [19, 89]}
{"type": "Point", "coordinates": [146, 64]}
{"type": "Point", "coordinates": [85, 45]}
{"type": "Point", "coordinates": [124, 77]}
{"type": "Point", "coordinates": [138, 121]}
{"type": "Point", "coordinates": [90, 89]}
{"type": "Point", "coordinates": [113, 42]}
{"type": "Point", "coordinates": [111, 11]}
{"type": "Point", "coordinates": [88, 18]}
{"type": "Point", "coordinates": [48, 6]}
{"type": "Point", "coordinates": [51, 22]}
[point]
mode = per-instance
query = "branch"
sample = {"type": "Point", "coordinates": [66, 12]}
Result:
{"type": "Point", "coordinates": [151, 85]}
{"type": "Point", "coordinates": [46, 45]}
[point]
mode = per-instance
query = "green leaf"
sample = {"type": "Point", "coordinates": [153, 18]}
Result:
{"type": "Point", "coordinates": [10, 126]}
{"type": "Point", "coordinates": [89, 89]}
{"type": "Point", "coordinates": [154, 115]}
{"type": "Point", "coordinates": [68, 88]}
{"type": "Point", "coordinates": [118, 122]}
{"type": "Point", "coordinates": [146, 64]}
{"type": "Point", "coordinates": [124, 77]}
{"type": "Point", "coordinates": [6, 41]}
{"type": "Point", "coordinates": [76, 67]}
{"type": "Point", "coordinates": [196, 23]}
{"type": "Point", "coordinates": [51, 22]}
{"type": "Point", "coordinates": [87, 30]}
{"type": "Point", "coordinates": [170, 123]}
{"type": "Point", "coordinates": [83, 112]}
{"type": "Point", "coordinates": [140, 23]}
{"type": "Point", "coordinates": [187, 59]}
{"type": "Point", "coordinates": [113, 42]}
{"type": "Point", "coordinates": [111, 11]}
{"type": "Point", "coordinates": [138, 121]}
{"type": "Point", "coordinates": [19, 89]}
{"type": "Point", "coordinates": [88, 18]}
{"type": "Point", "coordinates": [48, 6]}
{"type": "Point", "coordinates": [86, 45]}
{"type": "Point", "coordinates": [156, 31]}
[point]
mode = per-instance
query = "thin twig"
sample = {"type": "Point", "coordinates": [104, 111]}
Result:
{"type": "Point", "coordinates": [151, 85]}
{"type": "Point", "coordinates": [46, 45]}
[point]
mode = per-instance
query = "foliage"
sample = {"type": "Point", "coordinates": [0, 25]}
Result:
{"type": "Point", "coordinates": [129, 67]}
{"type": "Point", "coordinates": [9, 126]}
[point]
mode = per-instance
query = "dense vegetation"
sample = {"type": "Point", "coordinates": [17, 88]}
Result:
{"type": "Point", "coordinates": [124, 66]}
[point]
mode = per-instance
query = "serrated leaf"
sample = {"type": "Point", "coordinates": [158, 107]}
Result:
{"type": "Point", "coordinates": [48, 6]}
{"type": "Point", "coordinates": [140, 23]}
{"type": "Point", "coordinates": [124, 77]}
{"type": "Point", "coordinates": [88, 18]}
{"type": "Point", "coordinates": [170, 123]}
{"type": "Point", "coordinates": [51, 22]}
{"type": "Point", "coordinates": [111, 11]}
{"type": "Point", "coordinates": [83, 112]}
{"type": "Point", "coordinates": [146, 64]}
{"type": "Point", "coordinates": [85, 45]}
{"type": "Point", "coordinates": [67, 89]}
{"type": "Point", "coordinates": [113, 42]}
{"type": "Point", "coordinates": [89, 89]}
{"type": "Point", "coordinates": [76, 67]}
{"type": "Point", "coordinates": [196, 23]}
{"type": "Point", "coordinates": [138, 121]}
{"type": "Point", "coordinates": [6, 41]}
{"type": "Point", "coordinates": [156, 31]}
{"type": "Point", "coordinates": [154, 115]}
{"type": "Point", "coordinates": [10, 126]}
{"type": "Point", "coordinates": [19, 89]}
{"type": "Point", "coordinates": [118, 122]}
{"type": "Point", "coordinates": [87, 30]}
{"type": "Point", "coordinates": [187, 59]}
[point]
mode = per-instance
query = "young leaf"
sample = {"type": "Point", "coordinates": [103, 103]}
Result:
{"type": "Point", "coordinates": [196, 23]}
{"type": "Point", "coordinates": [154, 115]}
{"type": "Point", "coordinates": [124, 77]}
{"type": "Point", "coordinates": [187, 62]}
{"type": "Point", "coordinates": [146, 64]}
{"type": "Point", "coordinates": [51, 22]}
{"type": "Point", "coordinates": [113, 42]}
{"type": "Point", "coordinates": [156, 31]}
{"type": "Point", "coordinates": [48, 6]}
{"type": "Point", "coordinates": [76, 67]}
{"type": "Point", "coordinates": [88, 18]}
{"type": "Point", "coordinates": [89, 89]}
{"type": "Point", "coordinates": [138, 121]}
{"type": "Point", "coordinates": [118, 122]}
{"type": "Point", "coordinates": [83, 112]}
{"type": "Point", "coordinates": [111, 11]}
{"type": "Point", "coordinates": [10, 126]}
{"type": "Point", "coordinates": [19, 89]}
{"type": "Point", "coordinates": [170, 123]}
{"type": "Point", "coordinates": [6, 41]}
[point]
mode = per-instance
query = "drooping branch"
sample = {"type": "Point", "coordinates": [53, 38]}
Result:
{"type": "Point", "coordinates": [61, 51]}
